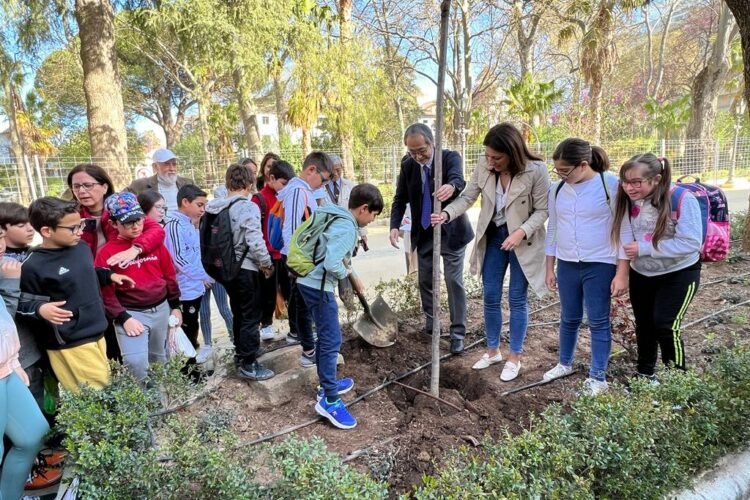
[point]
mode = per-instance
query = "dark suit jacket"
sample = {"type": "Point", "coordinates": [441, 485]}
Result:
{"type": "Point", "coordinates": [456, 234]}
{"type": "Point", "coordinates": [151, 183]}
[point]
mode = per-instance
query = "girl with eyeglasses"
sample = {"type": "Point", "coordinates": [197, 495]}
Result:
{"type": "Point", "coordinates": [154, 205]}
{"type": "Point", "coordinates": [664, 258]}
{"type": "Point", "coordinates": [590, 269]}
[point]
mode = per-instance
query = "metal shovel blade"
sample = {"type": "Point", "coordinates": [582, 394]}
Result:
{"type": "Point", "coordinates": [380, 326]}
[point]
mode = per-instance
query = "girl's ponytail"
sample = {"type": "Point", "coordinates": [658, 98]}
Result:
{"type": "Point", "coordinates": [575, 151]}
{"type": "Point", "coordinates": [599, 159]}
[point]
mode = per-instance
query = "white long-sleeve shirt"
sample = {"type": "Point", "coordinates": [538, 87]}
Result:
{"type": "Point", "coordinates": [580, 222]}
{"type": "Point", "coordinates": [679, 246]}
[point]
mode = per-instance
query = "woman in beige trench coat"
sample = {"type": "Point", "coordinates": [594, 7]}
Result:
{"type": "Point", "coordinates": [510, 232]}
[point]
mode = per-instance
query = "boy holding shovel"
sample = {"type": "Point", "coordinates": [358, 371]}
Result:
{"type": "Point", "coordinates": [335, 230]}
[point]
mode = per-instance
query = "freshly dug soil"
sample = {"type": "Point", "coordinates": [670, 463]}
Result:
{"type": "Point", "coordinates": [408, 433]}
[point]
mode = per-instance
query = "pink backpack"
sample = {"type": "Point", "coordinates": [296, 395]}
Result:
{"type": "Point", "coordinates": [714, 212]}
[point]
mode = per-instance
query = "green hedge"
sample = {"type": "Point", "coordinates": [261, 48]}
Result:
{"type": "Point", "coordinates": [641, 444]}
{"type": "Point", "coordinates": [638, 444]}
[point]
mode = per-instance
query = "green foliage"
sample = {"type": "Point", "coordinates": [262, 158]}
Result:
{"type": "Point", "coordinates": [529, 99]}
{"type": "Point", "coordinates": [670, 117]}
{"type": "Point", "coordinates": [641, 444]}
{"type": "Point", "coordinates": [77, 146]}
{"type": "Point", "coordinates": [737, 224]}
{"type": "Point", "coordinates": [108, 437]}
{"type": "Point", "coordinates": [402, 294]}
{"type": "Point", "coordinates": [121, 448]}
{"type": "Point", "coordinates": [308, 470]}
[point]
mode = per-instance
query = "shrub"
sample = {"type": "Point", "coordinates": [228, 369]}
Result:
{"type": "Point", "coordinates": [122, 449]}
{"type": "Point", "coordinates": [640, 444]}
{"type": "Point", "coordinates": [401, 294]}
{"type": "Point", "coordinates": [737, 224]}
{"type": "Point", "coordinates": [308, 470]}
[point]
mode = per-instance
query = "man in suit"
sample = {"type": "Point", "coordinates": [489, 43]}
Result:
{"type": "Point", "coordinates": [337, 191]}
{"type": "Point", "coordinates": [166, 181]}
{"type": "Point", "coordinates": [416, 186]}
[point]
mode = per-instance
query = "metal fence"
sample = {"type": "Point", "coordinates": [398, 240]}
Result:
{"type": "Point", "coordinates": [712, 161]}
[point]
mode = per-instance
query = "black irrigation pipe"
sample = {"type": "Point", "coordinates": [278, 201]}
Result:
{"type": "Point", "coordinates": [372, 391]}
{"type": "Point", "coordinates": [182, 406]}
{"type": "Point", "coordinates": [735, 306]}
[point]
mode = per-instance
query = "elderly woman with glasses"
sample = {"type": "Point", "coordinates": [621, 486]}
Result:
{"type": "Point", "coordinates": [510, 232]}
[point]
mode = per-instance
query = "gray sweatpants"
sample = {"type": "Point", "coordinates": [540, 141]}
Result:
{"type": "Point", "coordinates": [148, 347]}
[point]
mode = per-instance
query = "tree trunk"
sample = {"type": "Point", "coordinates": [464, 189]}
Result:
{"type": "Point", "coordinates": [526, 34]}
{"type": "Point", "coordinates": [101, 86]}
{"type": "Point", "coordinates": [278, 92]}
{"type": "Point", "coordinates": [203, 106]}
{"type": "Point", "coordinates": [741, 11]}
{"type": "Point", "coordinates": [596, 108]}
{"type": "Point", "coordinates": [705, 91]}
{"type": "Point", "coordinates": [662, 47]}
{"type": "Point", "coordinates": [346, 132]}
{"type": "Point", "coordinates": [649, 50]}
{"type": "Point", "coordinates": [16, 147]}
{"type": "Point", "coordinates": [306, 141]}
{"type": "Point", "coordinates": [249, 120]}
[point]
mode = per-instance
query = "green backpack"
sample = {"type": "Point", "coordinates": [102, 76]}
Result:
{"type": "Point", "coordinates": [304, 245]}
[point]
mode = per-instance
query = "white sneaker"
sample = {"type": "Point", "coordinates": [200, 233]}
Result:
{"type": "Point", "coordinates": [486, 361]}
{"type": "Point", "coordinates": [267, 333]}
{"type": "Point", "coordinates": [510, 371]}
{"type": "Point", "coordinates": [557, 372]}
{"type": "Point", "coordinates": [203, 354]}
{"type": "Point", "coordinates": [593, 387]}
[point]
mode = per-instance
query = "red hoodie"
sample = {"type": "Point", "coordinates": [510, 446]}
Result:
{"type": "Point", "coordinates": [269, 195]}
{"type": "Point", "coordinates": [154, 276]}
{"type": "Point", "coordinates": [149, 240]}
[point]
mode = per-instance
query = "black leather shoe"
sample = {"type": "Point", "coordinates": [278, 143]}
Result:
{"type": "Point", "coordinates": [457, 346]}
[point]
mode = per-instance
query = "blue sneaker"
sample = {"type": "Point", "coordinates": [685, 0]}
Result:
{"type": "Point", "coordinates": [343, 385]}
{"type": "Point", "coordinates": [336, 413]}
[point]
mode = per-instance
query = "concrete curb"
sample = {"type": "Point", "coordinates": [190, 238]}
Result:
{"type": "Point", "coordinates": [729, 479]}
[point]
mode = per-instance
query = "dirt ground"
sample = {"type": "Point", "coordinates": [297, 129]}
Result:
{"type": "Point", "coordinates": [407, 433]}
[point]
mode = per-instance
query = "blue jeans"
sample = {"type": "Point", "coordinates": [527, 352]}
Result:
{"type": "Point", "coordinates": [222, 302]}
{"type": "Point", "coordinates": [325, 313]}
{"type": "Point", "coordinates": [496, 262]}
{"type": "Point", "coordinates": [586, 283]}
{"type": "Point", "coordinates": [22, 422]}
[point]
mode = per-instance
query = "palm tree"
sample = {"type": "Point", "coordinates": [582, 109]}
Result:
{"type": "Point", "coordinates": [668, 118]}
{"type": "Point", "coordinates": [596, 19]}
{"type": "Point", "coordinates": [529, 100]}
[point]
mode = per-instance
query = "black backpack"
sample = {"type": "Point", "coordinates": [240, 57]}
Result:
{"type": "Point", "coordinates": [217, 245]}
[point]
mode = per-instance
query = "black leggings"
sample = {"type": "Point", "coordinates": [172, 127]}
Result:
{"type": "Point", "coordinates": [659, 305]}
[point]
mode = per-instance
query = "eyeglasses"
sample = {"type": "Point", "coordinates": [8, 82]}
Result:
{"type": "Point", "coordinates": [564, 174]}
{"type": "Point", "coordinates": [423, 151]}
{"type": "Point", "coordinates": [86, 186]}
{"type": "Point", "coordinates": [161, 208]}
{"type": "Point", "coordinates": [77, 229]}
{"type": "Point", "coordinates": [324, 180]}
{"type": "Point", "coordinates": [636, 183]}
{"type": "Point", "coordinates": [132, 223]}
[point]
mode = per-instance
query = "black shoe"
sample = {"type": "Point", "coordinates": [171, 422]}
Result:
{"type": "Point", "coordinates": [255, 371]}
{"type": "Point", "coordinates": [457, 346]}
